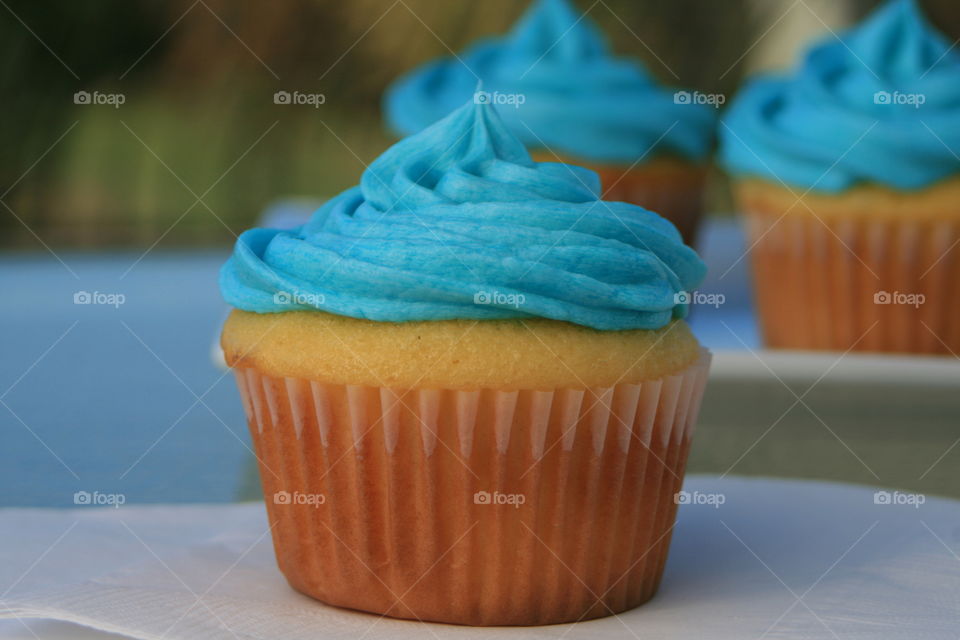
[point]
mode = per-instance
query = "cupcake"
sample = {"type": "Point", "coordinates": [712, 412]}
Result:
{"type": "Point", "coordinates": [568, 99]}
{"type": "Point", "coordinates": [469, 384]}
{"type": "Point", "coordinates": [848, 177]}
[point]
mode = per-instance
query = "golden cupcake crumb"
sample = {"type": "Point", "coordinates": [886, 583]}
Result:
{"type": "Point", "coordinates": [532, 353]}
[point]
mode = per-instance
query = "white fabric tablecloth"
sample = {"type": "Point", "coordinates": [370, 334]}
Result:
{"type": "Point", "coordinates": [787, 559]}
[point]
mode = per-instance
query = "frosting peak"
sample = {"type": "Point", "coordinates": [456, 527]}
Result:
{"type": "Point", "coordinates": [569, 94]}
{"type": "Point", "coordinates": [898, 41]}
{"type": "Point", "coordinates": [473, 158]}
{"type": "Point", "coordinates": [459, 222]}
{"type": "Point", "coordinates": [878, 104]}
{"type": "Point", "coordinates": [552, 29]}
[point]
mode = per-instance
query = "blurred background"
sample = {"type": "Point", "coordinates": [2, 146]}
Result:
{"type": "Point", "coordinates": [141, 197]}
{"type": "Point", "coordinates": [198, 78]}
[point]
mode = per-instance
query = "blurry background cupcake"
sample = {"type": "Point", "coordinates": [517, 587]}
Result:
{"type": "Point", "coordinates": [848, 176]}
{"type": "Point", "coordinates": [481, 371]}
{"type": "Point", "coordinates": [562, 92]}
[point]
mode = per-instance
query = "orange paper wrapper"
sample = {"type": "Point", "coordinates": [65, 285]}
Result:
{"type": "Point", "coordinates": [856, 283]}
{"type": "Point", "coordinates": [673, 189]}
{"type": "Point", "coordinates": [473, 507]}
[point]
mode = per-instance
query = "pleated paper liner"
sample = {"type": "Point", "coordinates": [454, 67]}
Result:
{"type": "Point", "coordinates": [855, 282]}
{"type": "Point", "coordinates": [671, 188]}
{"type": "Point", "coordinates": [473, 507]}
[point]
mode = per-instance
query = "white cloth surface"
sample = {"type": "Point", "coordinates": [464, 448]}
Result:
{"type": "Point", "coordinates": [788, 559]}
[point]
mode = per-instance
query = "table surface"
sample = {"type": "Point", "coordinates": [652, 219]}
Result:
{"type": "Point", "coordinates": [773, 558]}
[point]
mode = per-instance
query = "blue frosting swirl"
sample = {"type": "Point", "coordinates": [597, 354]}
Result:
{"type": "Point", "coordinates": [458, 222]}
{"type": "Point", "coordinates": [577, 99]}
{"type": "Point", "coordinates": [879, 105]}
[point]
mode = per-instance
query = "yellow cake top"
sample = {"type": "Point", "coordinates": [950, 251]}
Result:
{"type": "Point", "coordinates": [508, 354]}
{"type": "Point", "coordinates": [871, 201]}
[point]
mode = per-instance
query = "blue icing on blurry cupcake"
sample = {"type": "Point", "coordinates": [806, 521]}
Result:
{"type": "Point", "coordinates": [565, 96]}
{"type": "Point", "coordinates": [859, 109]}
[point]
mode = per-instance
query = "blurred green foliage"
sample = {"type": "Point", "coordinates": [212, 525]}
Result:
{"type": "Point", "coordinates": [198, 147]}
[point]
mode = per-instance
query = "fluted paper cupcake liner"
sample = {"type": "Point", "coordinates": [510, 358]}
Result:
{"type": "Point", "coordinates": [856, 283]}
{"type": "Point", "coordinates": [473, 507]}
